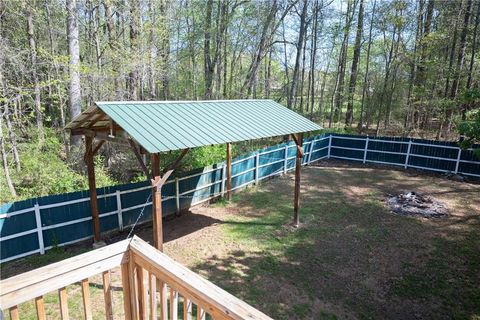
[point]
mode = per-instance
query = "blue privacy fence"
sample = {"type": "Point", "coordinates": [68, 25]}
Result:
{"type": "Point", "coordinates": [35, 225]}
{"type": "Point", "coordinates": [439, 156]}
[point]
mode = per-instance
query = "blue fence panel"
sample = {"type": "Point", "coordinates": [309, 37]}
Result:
{"type": "Point", "coordinates": [388, 146]}
{"type": "Point", "coordinates": [320, 147]}
{"type": "Point", "coordinates": [434, 151]}
{"type": "Point", "coordinates": [431, 164]}
{"type": "Point", "coordinates": [271, 169]}
{"type": "Point", "coordinates": [353, 154]}
{"type": "Point", "coordinates": [396, 159]}
{"type": "Point", "coordinates": [469, 168]}
{"type": "Point", "coordinates": [338, 143]}
{"type": "Point", "coordinates": [469, 155]}
{"type": "Point", "coordinates": [243, 178]}
{"type": "Point", "coordinates": [17, 206]}
{"type": "Point", "coordinates": [19, 245]}
{"type": "Point", "coordinates": [18, 223]}
{"type": "Point", "coordinates": [241, 165]}
{"type": "Point", "coordinates": [69, 233]}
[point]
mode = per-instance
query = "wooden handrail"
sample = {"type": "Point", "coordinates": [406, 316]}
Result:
{"type": "Point", "coordinates": [35, 283]}
{"type": "Point", "coordinates": [214, 300]}
{"type": "Point", "coordinates": [139, 261]}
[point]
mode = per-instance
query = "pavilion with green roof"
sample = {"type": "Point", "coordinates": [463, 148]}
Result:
{"type": "Point", "coordinates": [153, 127]}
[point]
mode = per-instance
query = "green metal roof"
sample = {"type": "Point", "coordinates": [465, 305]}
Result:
{"type": "Point", "coordinates": [160, 126]}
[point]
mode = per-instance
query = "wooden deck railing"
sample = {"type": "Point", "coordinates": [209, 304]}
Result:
{"type": "Point", "coordinates": [154, 286]}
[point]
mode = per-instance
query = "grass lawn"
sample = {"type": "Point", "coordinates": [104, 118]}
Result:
{"type": "Point", "coordinates": [351, 258]}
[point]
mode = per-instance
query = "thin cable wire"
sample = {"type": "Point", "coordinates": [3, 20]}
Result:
{"type": "Point", "coordinates": [140, 215]}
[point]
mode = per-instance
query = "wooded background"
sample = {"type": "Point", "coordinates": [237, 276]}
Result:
{"type": "Point", "coordinates": [396, 67]}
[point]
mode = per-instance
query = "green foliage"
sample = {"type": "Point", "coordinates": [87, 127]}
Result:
{"type": "Point", "coordinates": [45, 171]}
{"type": "Point", "coordinates": [471, 130]}
{"type": "Point", "coordinates": [204, 156]}
{"type": "Point", "coordinates": [471, 97]}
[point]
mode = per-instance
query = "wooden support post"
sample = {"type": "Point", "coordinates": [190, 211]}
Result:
{"type": "Point", "coordinates": [127, 305]}
{"type": "Point", "coordinates": [173, 304]}
{"type": "Point", "coordinates": [132, 274]}
{"type": "Point", "coordinates": [162, 289]}
{"type": "Point", "coordinates": [87, 308]}
{"type": "Point", "coordinates": [92, 187]}
{"type": "Point", "coordinates": [298, 167]}
{"type": "Point", "coordinates": [229, 171]}
{"type": "Point", "coordinates": [158, 181]}
{"type": "Point", "coordinates": [14, 313]}
{"type": "Point", "coordinates": [39, 304]}
{"type": "Point", "coordinates": [141, 296]}
{"type": "Point", "coordinates": [157, 204]}
{"type": "Point", "coordinates": [152, 289]}
{"type": "Point", "coordinates": [62, 297]}
{"type": "Point", "coordinates": [107, 295]}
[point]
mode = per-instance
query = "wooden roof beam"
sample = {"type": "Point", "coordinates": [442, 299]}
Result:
{"type": "Point", "coordinates": [96, 118]}
{"type": "Point", "coordinates": [100, 135]}
{"type": "Point", "coordinates": [298, 143]}
{"type": "Point", "coordinates": [175, 163]}
{"type": "Point", "coordinates": [136, 151]}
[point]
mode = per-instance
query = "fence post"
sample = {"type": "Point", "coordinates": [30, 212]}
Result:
{"type": "Point", "coordinates": [257, 163]}
{"type": "Point", "coordinates": [119, 209]}
{"type": "Point", "coordinates": [312, 143]}
{"type": "Point", "coordinates": [408, 153]}
{"type": "Point", "coordinates": [365, 151]}
{"type": "Point", "coordinates": [285, 161]}
{"type": "Point", "coordinates": [224, 173]}
{"type": "Point", "coordinates": [457, 165]}
{"type": "Point", "coordinates": [38, 220]}
{"type": "Point", "coordinates": [177, 195]}
{"type": "Point", "coordinates": [329, 145]}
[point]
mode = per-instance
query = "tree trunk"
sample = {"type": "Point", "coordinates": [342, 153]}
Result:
{"type": "Point", "coordinates": [36, 84]}
{"type": "Point", "coordinates": [303, 26]}
{"type": "Point", "coordinates": [13, 138]}
{"type": "Point", "coordinates": [113, 45]}
{"type": "Point", "coordinates": [57, 75]}
{"type": "Point", "coordinates": [353, 74]}
{"type": "Point", "coordinates": [133, 77]}
{"type": "Point", "coordinates": [191, 51]}
{"type": "Point", "coordinates": [474, 48]}
{"type": "Point", "coordinates": [6, 170]}
{"type": "Point", "coordinates": [322, 91]}
{"type": "Point", "coordinates": [268, 75]}
{"type": "Point", "coordinates": [420, 78]}
{"type": "Point", "coordinates": [342, 61]}
{"type": "Point", "coordinates": [302, 82]}
{"type": "Point", "coordinates": [461, 51]}
{"type": "Point", "coordinates": [367, 62]}
{"type": "Point", "coordinates": [394, 78]}
{"type": "Point", "coordinates": [452, 56]}
{"type": "Point", "coordinates": [286, 86]}
{"type": "Point", "coordinates": [385, 83]}
{"type": "Point", "coordinates": [208, 65]}
{"type": "Point", "coordinates": [164, 50]}
{"type": "Point", "coordinates": [413, 69]}
{"type": "Point", "coordinates": [460, 62]}
{"type": "Point", "coordinates": [74, 66]}
{"type": "Point", "coordinates": [260, 52]}
{"type": "Point", "coordinates": [313, 58]}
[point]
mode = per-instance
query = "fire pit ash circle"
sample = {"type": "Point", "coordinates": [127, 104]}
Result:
{"type": "Point", "coordinates": [416, 204]}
